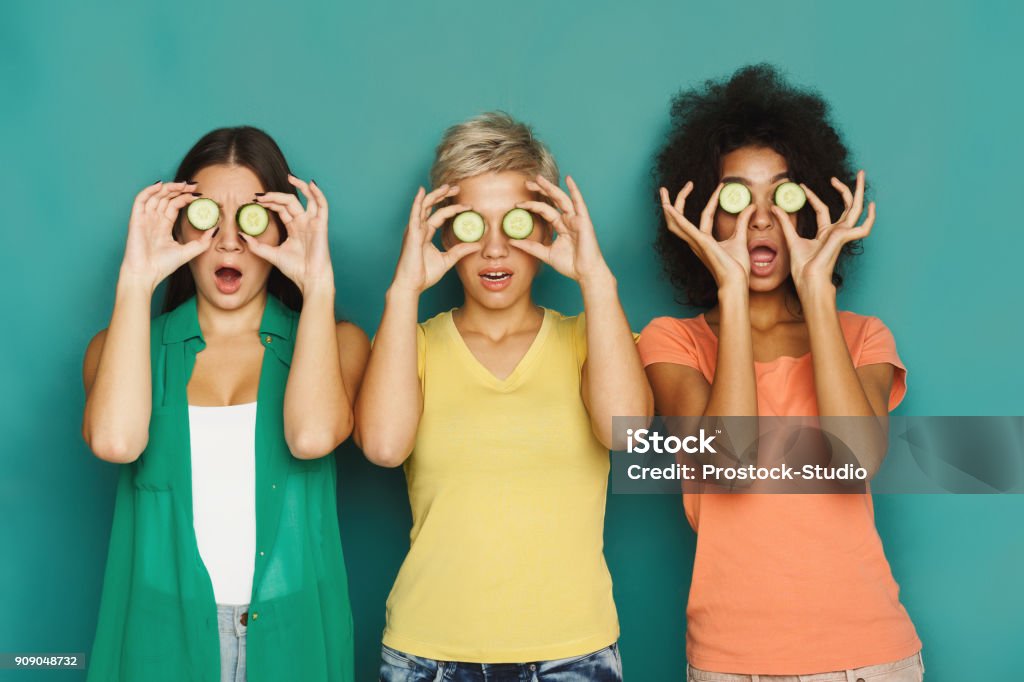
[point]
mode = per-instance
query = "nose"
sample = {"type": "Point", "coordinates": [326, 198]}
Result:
{"type": "Point", "coordinates": [227, 239]}
{"type": "Point", "coordinates": [762, 218]}
{"type": "Point", "coordinates": [494, 242]}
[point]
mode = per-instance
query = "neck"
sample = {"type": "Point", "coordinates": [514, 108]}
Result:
{"type": "Point", "coordinates": [217, 322]}
{"type": "Point", "coordinates": [769, 308]}
{"type": "Point", "coordinates": [497, 323]}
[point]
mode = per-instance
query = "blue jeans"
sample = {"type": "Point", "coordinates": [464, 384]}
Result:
{"type": "Point", "coordinates": [604, 665]}
{"type": "Point", "coordinates": [232, 641]}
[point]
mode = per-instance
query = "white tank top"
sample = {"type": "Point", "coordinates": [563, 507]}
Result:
{"type": "Point", "coordinates": [224, 496]}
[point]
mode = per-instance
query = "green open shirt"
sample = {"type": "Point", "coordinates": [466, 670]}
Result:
{"type": "Point", "coordinates": [158, 618]}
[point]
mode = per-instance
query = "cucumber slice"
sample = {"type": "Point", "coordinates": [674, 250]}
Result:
{"type": "Point", "coordinates": [252, 219]}
{"type": "Point", "coordinates": [790, 197]}
{"type": "Point", "coordinates": [203, 213]}
{"type": "Point", "coordinates": [734, 197]}
{"type": "Point", "coordinates": [468, 226]}
{"type": "Point", "coordinates": [517, 223]}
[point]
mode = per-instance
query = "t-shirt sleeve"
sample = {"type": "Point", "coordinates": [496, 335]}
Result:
{"type": "Point", "coordinates": [879, 346]}
{"type": "Point", "coordinates": [664, 339]}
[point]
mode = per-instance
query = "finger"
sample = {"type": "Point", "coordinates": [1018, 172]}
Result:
{"type": "Point", "coordinates": [707, 216]}
{"type": "Point", "coordinates": [260, 249]}
{"type": "Point", "coordinates": [819, 206]}
{"type": "Point", "coordinates": [539, 251]}
{"type": "Point", "coordinates": [858, 201]}
{"type": "Point", "coordinates": [436, 197]}
{"type": "Point", "coordinates": [143, 196]}
{"type": "Point", "coordinates": [458, 252]}
{"type": "Point", "coordinates": [543, 209]}
{"type": "Point", "coordinates": [865, 229]}
{"type": "Point", "coordinates": [742, 223]}
{"type": "Point", "coordinates": [164, 201]}
{"type": "Point", "coordinates": [179, 202]}
{"type": "Point", "coordinates": [438, 217]}
{"type": "Point", "coordinates": [165, 188]}
{"type": "Point", "coordinates": [319, 197]}
{"type": "Point", "coordinates": [286, 199]}
{"type": "Point", "coordinates": [311, 206]}
{"type": "Point", "coordinates": [577, 197]}
{"type": "Point", "coordinates": [678, 224]}
{"type": "Point", "coordinates": [193, 248]}
{"type": "Point", "coordinates": [417, 209]}
{"type": "Point", "coordinates": [847, 196]}
{"type": "Point", "coordinates": [280, 209]}
{"type": "Point", "coordinates": [786, 223]}
{"type": "Point", "coordinates": [680, 202]}
{"type": "Point", "coordinates": [551, 191]}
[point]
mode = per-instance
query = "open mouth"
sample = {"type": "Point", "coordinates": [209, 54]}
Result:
{"type": "Point", "coordinates": [495, 280]}
{"type": "Point", "coordinates": [228, 279]}
{"type": "Point", "coordinates": [763, 257]}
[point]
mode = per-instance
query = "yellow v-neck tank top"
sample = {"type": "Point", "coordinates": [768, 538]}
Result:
{"type": "Point", "coordinates": [507, 485]}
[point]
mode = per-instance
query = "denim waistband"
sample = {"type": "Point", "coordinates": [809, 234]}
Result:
{"type": "Point", "coordinates": [232, 619]}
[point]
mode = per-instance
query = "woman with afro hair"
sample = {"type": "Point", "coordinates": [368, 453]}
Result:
{"type": "Point", "coordinates": [783, 584]}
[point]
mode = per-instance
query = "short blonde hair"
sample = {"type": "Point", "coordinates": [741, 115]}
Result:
{"type": "Point", "coordinates": [492, 142]}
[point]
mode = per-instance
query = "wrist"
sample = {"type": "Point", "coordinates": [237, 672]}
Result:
{"type": "Point", "coordinates": [318, 287]}
{"type": "Point", "coordinates": [398, 293]}
{"type": "Point", "coordinates": [129, 282]}
{"type": "Point", "coordinates": [816, 293]}
{"type": "Point", "coordinates": [734, 295]}
{"type": "Point", "coordinates": [600, 281]}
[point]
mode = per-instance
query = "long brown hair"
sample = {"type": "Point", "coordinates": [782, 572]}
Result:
{"type": "Point", "coordinates": [241, 146]}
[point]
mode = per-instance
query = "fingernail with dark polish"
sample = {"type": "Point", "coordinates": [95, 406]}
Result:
{"type": "Point", "coordinates": [312, 181]}
{"type": "Point", "coordinates": [197, 194]}
{"type": "Point", "coordinates": [215, 231]}
{"type": "Point", "coordinates": [260, 194]}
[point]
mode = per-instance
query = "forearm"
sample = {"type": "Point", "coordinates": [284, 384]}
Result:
{"type": "Point", "coordinates": [845, 412]}
{"type": "Point", "coordinates": [616, 383]}
{"type": "Point", "coordinates": [731, 409]}
{"type": "Point", "coordinates": [390, 400]}
{"type": "Point", "coordinates": [734, 387]}
{"type": "Point", "coordinates": [317, 408]}
{"type": "Point", "coordinates": [115, 422]}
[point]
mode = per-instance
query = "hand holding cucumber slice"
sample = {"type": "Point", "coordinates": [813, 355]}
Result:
{"type": "Point", "coordinates": [252, 219]}
{"type": "Point", "coordinates": [203, 214]}
{"type": "Point", "coordinates": [468, 226]}
{"type": "Point", "coordinates": [517, 223]}
{"type": "Point", "coordinates": [790, 197]}
{"type": "Point", "coordinates": [734, 197]}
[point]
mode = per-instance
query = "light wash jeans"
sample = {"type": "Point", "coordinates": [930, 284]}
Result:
{"type": "Point", "coordinates": [910, 669]}
{"type": "Point", "coordinates": [232, 641]}
{"type": "Point", "coordinates": [603, 665]}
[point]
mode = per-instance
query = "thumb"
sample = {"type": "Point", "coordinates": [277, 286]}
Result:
{"type": "Point", "coordinates": [259, 249]}
{"type": "Point", "coordinates": [535, 249]}
{"type": "Point", "coordinates": [460, 251]}
{"type": "Point", "coordinates": [786, 222]}
{"type": "Point", "coordinates": [197, 246]}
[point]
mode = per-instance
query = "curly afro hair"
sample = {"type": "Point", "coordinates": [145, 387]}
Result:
{"type": "Point", "coordinates": [755, 107]}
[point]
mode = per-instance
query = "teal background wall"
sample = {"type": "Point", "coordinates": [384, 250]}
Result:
{"type": "Point", "coordinates": [98, 101]}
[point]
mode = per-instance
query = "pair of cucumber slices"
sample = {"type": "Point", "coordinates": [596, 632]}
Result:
{"type": "Point", "coordinates": [789, 196]}
{"type": "Point", "coordinates": [469, 226]}
{"type": "Point", "coordinates": [252, 219]}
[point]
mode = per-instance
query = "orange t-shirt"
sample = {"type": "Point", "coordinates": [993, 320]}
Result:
{"type": "Point", "coordinates": [787, 584]}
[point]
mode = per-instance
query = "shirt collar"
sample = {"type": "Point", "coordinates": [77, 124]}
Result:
{"type": "Point", "coordinates": [183, 321]}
